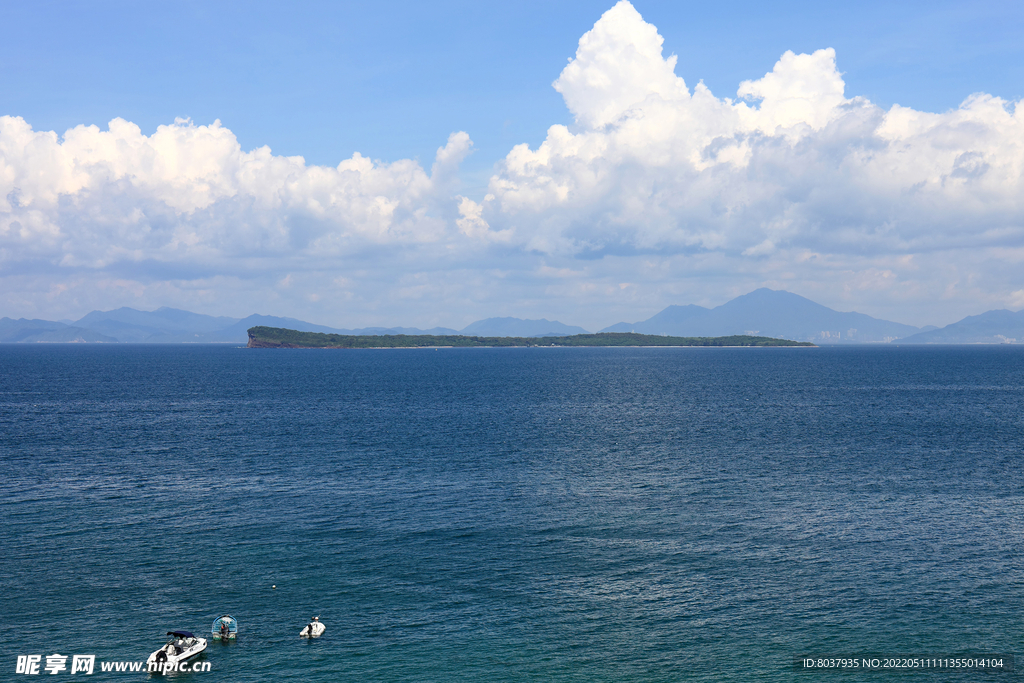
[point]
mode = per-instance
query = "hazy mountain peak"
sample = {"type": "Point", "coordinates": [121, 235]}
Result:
{"type": "Point", "coordinates": [517, 327]}
{"type": "Point", "coordinates": [771, 313]}
{"type": "Point", "coordinates": [998, 326]}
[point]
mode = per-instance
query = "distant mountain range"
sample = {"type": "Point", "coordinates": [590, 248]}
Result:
{"type": "Point", "coordinates": [763, 312]}
{"type": "Point", "coordinates": [993, 327]}
{"type": "Point", "coordinates": [23, 330]}
{"type": "Point", "coordinates": [514, 327]}
{"type": "Point", "coordinates": [171, 325]}
{"type": "Point", "coordinates": [770, 313]}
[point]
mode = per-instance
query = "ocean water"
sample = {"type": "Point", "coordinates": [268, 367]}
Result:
{"type": "Point", "coordinates": [513, 514]}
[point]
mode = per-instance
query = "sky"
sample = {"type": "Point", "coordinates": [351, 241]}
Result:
{"type": "Point", "coordinates": [423, 164]}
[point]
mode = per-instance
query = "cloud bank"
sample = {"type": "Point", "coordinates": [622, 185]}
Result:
{"type": "Point", "coordinates": [190, 194]}
{"type": "Point", "coordinates": [790, 163]}
{"type": "Point", "coordinates": [656, 188]}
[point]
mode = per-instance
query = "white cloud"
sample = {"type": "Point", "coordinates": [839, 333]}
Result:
{"type": "Point", "coordinates": [651, 166]}
{"type": "Point", "coordinates": [802, 90]}
{"type": "Point", "coordinates": [618, 66]}
{"type": "Point", "coordinates": [790, 184]}
{"type": "Point", "coordinates": [189, 193]}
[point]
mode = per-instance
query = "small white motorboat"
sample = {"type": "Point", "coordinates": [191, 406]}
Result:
{"type": "Point", "coordinates": [314, 629]}
{"type": "Point", "coordinates": [225, 628]}
{"type": "Point", "coordinates": [181, 646]}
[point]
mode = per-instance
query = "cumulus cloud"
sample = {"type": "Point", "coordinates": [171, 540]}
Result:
{"type": "Point", "coordinates": [651, 165]}
{"type": "Point", "coordinates": [789, 181]}
{"type": "Point", "coordinates": [190, 194]}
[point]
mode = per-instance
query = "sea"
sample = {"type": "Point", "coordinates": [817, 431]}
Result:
{"type": "Point", "coordinates": [521, 514]}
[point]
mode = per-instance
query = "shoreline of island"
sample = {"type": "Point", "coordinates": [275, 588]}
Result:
{"type": "Point", "coordinates": [262, 337]}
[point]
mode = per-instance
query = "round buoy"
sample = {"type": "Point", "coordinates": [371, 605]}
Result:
{"type": "Point", "coordinates": [274, 586]}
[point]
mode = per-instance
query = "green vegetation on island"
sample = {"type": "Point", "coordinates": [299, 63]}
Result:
{"type": "Point", "coordinates": [281, 338]}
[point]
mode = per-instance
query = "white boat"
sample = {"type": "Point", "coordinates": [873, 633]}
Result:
{"type": "Point", "coordinates": [225, 628]}
{"type": "Point", "coordinates": [314, 629]}
{"type": "Point", "coordinates": [182, 645]}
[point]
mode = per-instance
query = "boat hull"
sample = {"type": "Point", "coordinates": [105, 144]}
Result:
{"type": "Point", "coordinates": [312, 630]}
{"type": "Point", "coordinates": [169, 657]}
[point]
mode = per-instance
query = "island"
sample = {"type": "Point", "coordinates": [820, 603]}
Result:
{"type": "Point", "coordinates": [281, 338]}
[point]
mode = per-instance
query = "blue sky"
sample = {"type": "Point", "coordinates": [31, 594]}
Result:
{"type": "Point", "coordinates": [393, 80]}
